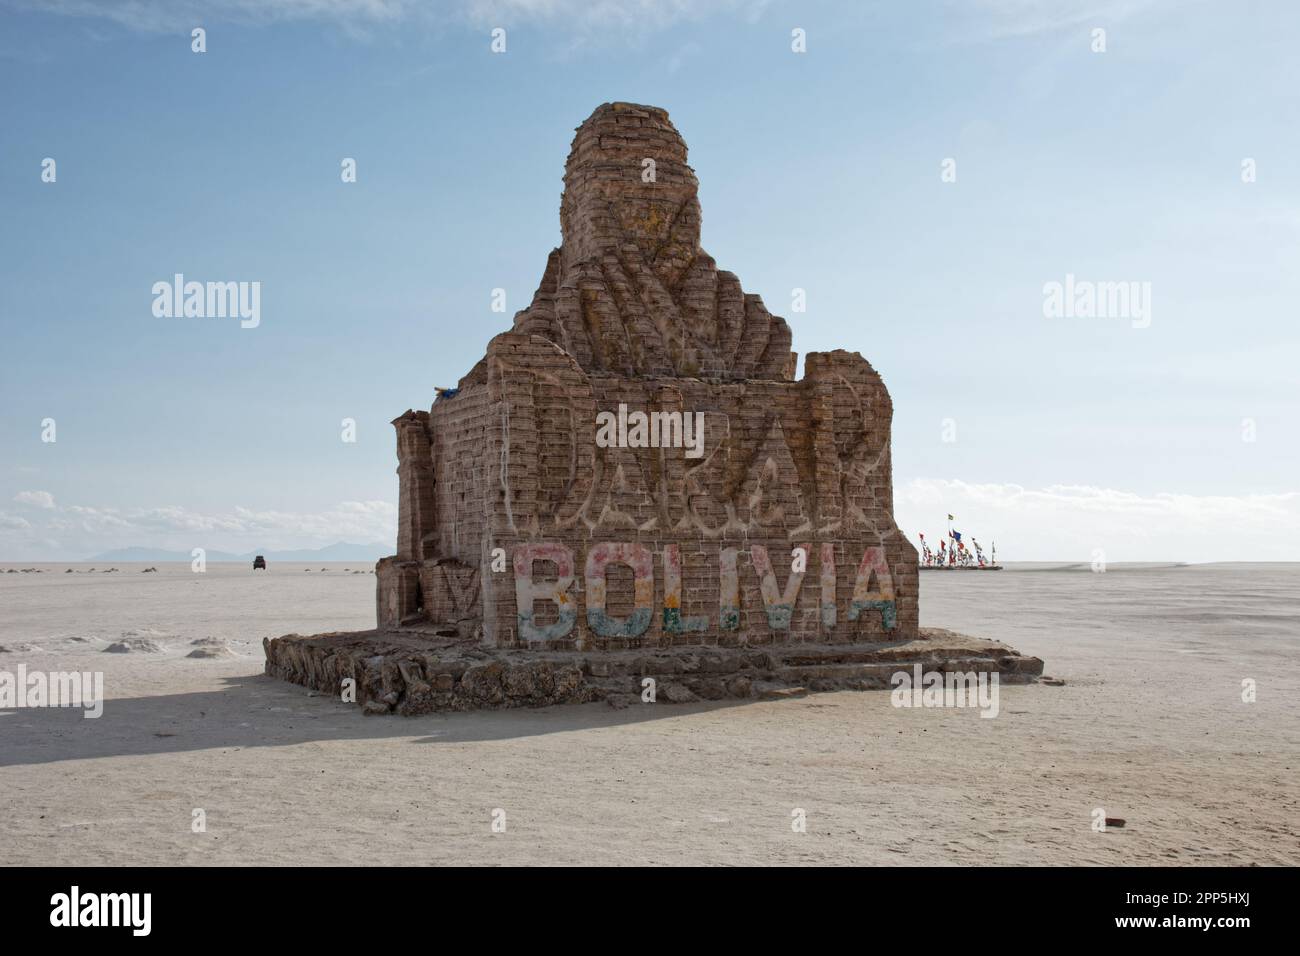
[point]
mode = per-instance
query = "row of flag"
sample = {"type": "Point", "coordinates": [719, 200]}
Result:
{"type": "Point", "coordinates": [956, 554]}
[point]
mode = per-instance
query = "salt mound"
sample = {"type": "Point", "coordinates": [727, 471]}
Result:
{"type": "Point", "coordinates": [210, 651]}
{"type": "Point", "coordinates": [131, 644]}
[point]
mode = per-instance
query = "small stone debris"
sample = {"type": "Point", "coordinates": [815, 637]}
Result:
{"type": "Point", "coordinates": [766, 691]}
{"type": "Point", "coordinates": [1116, 822]}
{"type": "Point", "coordinates": [676, 693]}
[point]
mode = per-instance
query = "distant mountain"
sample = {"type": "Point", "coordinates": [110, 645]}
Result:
{"type": "Point", "coordinates": [341, 551]}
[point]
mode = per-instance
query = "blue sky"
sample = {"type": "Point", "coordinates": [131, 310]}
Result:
{"type": "Point", "coordinates": [819, 171]}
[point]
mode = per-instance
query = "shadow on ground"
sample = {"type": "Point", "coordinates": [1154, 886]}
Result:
{"type": "Point", "coordinates": [259, 711]}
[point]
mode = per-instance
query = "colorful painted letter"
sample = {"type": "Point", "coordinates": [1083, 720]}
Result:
{"type": "Point", "coordinates": [779, 606]}
{"type": "Point", "coordinates": [882, 598]}
{"type": "Point", "coordinates": [557, 591]}
{"type": "Point", "coordinates": [674, 623]}
{"type": "Point", "coordinates": [728, 591]}
{"type": "Point", "coordinates": [639, 558]}
{"type": "Point", "coordinates": [829, 613]}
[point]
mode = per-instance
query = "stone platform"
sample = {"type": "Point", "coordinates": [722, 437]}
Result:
{"type": "Point", "coordinates": [424, 671]}
{"type": "Point", "coordinates": [632, 484]}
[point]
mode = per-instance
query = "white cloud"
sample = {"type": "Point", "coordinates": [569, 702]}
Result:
{"type": "Point", "coordinates": [995, 19]}
{"type": "Point", "coordinates": [1055, 523]}
{"type": "Point", "coordinates": [72, 531]}
{"type": "Point", "coordinates": [1069, 522]}
{"type": "Point", "coordinates": [166, 15]}
{"type": "Point", "coordinates": [37, 499]}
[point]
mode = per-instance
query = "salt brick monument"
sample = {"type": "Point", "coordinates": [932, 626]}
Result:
{"type": "Point", "coordinates": [541, 561]}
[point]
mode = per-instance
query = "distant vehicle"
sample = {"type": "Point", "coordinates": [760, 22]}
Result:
{"type": "Point", "coordinates": [259, 562]}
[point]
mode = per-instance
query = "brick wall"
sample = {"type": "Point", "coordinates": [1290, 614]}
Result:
{"type": "Point", "coordinates": [663, 548]}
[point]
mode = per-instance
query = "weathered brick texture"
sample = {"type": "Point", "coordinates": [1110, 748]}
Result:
{"type": "Point", "coordinates": [631, 311]}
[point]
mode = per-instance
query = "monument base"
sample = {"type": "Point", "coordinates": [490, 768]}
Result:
{"type": "Point", "coordinates": [420, 671]}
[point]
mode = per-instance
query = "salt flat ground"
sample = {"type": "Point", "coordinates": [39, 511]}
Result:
{"type": "Point", "coordinates": [1150, 727]}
